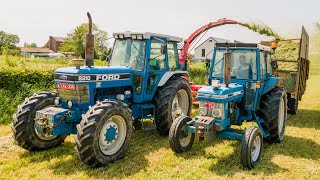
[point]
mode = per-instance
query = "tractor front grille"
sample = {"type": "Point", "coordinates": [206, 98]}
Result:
{"type": "Point", "coordinates": [77, 92]}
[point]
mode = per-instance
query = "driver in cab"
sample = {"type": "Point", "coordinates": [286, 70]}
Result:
{"type": "Point", "coordinates": [244, 70]}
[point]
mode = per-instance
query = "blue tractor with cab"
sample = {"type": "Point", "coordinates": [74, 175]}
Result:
{"type": "Point", "coordinates": [240, 88]}
{"type": "Point", "coordinates": [143, 81]}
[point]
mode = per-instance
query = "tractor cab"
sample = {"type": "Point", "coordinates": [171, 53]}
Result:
{"type": "Point", "coordinates": [249, 67]}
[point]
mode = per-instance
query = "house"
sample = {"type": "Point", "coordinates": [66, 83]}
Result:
{"type": "Point", "coordinates": [35, 52]}
{"type": "Point", "coordinates": [54, 43]}
{"type": "Point", "coordinates": [204, 51]}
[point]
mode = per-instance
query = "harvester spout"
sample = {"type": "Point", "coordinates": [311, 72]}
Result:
{"type": "Point", "coordinates": [89, 56]}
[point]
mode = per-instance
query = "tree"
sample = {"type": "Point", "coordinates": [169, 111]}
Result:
{"type": "Point", "coordinates": [75, 41]}
{"type": "Point", "coordinates": [8, 41]}
{"type": "Point", "coordinates": [32, 45]}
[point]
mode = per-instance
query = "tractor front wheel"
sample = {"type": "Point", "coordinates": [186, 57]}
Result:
{"type": "Point", "coordinates": [104, 133]}
{"type": "Point", "coordinates": [251, 147]}
{"type": "Point", "coordinates": [181, 141]}
{"type": "Point", "coordinates": [24, 126]}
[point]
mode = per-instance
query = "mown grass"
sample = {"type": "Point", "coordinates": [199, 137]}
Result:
{"type": "Point", "coordinates": [150, 157]}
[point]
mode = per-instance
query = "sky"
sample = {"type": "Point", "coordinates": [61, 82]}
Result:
{"type": "Point", "coordinates": [36, 20]}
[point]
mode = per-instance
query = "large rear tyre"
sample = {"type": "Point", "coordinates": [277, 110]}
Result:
{"type": "Point", "coordinates": [24, 125]}
{"type": "Point", "coordinates": [104, 133]}
{"type": "Point", "coordinates": [172, 100]}
{"type": "Point", "coordinates": [251, 147]}
{"type": "Point", "coordinates": [273, 109]}
{"type": "Point", "coordinates": [179, 140]}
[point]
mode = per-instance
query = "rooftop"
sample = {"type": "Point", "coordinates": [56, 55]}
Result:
{"type": "Point", "coordinates": [145, 35]}
{"type": "Point", "coordinates": [59, 39]}
{"type": "Point", "coordinates": [36, 50]}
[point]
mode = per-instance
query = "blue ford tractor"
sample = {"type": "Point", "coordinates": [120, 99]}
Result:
{"type": "Point", "coordinates": [143, 81]}
{"type": "Point", "coordinates": [241, 88]}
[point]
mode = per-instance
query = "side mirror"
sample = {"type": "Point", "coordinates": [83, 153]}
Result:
{"type": "Point", "coordinates": [163, 48]}
{"type": "Point", "coordinates": [274, 64]}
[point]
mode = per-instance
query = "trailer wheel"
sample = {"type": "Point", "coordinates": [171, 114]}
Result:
{"type": "Point", "coordinates": [251, 147]}
{"type": "Point", "coordinates": [172, 100]}
{"type": "Point", "coordinates": [273, 110]}
{"type": "Point", "coordinates": [104, 133]}
{"type": "Point", "coordinates": [24, 126]}
{"type": "Point", "coordinates": [178, 139]}
{"type": "Point", "coordinates": [292, 105]}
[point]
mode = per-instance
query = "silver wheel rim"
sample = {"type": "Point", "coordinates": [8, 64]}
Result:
{"type": "Point", "coordinates": [184, 140]}
{"type": "Point", "coordinates": [180, 104]}
{"type": "Point", "coordinates": [41, 135]}
{"type": "Point", "coordinates": [112, 135]}
{"type": "Point", "coordinates": [255, 152]}
{"type": "Point", "coordinates": [281, 116]}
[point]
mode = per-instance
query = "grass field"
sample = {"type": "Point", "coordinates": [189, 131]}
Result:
{"type": "Point", "coordinates": [150, 157]}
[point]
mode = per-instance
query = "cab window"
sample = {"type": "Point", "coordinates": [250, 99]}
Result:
{"type": "Point", "coordinates": [173, 56]}
{"type": "Point", "coordinates": [157, 60]}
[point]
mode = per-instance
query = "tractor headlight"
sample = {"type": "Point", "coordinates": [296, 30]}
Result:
{"type": "Point", "coordinates": [57, 101]}
{"type": "Point", "coordinates": [216, 113]}
{"type": "Point", "coordinates": [70, 104]}
{"type": "Point", "coordinates": [203, 111]}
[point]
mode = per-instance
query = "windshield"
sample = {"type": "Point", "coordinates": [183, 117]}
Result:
{"type": "Point", "coordinates": [128, 52]}
{"type": "Point", "coordinates": [242, 65]}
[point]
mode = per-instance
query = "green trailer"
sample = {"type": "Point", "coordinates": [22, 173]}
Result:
{"type": "Point", "coordinates": [293, 66]}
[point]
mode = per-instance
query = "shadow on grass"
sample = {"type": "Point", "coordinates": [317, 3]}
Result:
{"type": "Point", "coordinates": [305, 119]}
{"type": "Point", "coordinates": [64, 160]}
{"type": "Point", "coordinates": [229, 165]}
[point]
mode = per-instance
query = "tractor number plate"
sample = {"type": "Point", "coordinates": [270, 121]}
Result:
{"type": "Point", "coordinates": [66, 86]}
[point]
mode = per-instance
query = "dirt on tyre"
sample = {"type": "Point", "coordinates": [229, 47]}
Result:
{"type": "Point", "coordinates": [179, 140]}
{"type": "Point", "coordinates": [251, 147]}
{"type": "Point", "coordinates": [273, 109]}
{"type": "Point", "coordinates": [172, 100]}
{"type": "Point", "coordinates": [104, 133]}
{"type": "Point", "coordinates": [24, 129]}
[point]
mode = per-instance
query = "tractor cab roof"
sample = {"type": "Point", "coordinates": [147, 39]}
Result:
{"type": "Point", "coordinates": [244, 45]}
{"type": "Point", "coordinates": [145, 35]}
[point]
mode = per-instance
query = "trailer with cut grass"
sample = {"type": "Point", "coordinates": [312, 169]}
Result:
{"type": "Point", "coordinates": [293, 67]}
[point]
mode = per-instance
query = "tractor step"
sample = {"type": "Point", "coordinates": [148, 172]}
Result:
{"type": "Point", "coordinates": [148, 117]}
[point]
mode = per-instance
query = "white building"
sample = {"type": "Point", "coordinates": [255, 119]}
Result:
{"type": "Point", "coordinates": [204, 51]}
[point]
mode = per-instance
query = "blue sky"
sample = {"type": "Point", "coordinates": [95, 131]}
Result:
{"type": "Point", "coordinates": [35, 20]}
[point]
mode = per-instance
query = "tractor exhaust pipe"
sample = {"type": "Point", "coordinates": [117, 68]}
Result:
{"type": "Point", "coordinates": [89, 55]}
{"type": "Point", "coordinates": [227, 71]}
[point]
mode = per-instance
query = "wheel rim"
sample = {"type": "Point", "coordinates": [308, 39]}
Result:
{"type": "Point", "coordinates": [255, 152]}
{"type": "Point", "coordinates": [281, 116]}
{"type": "Point", "coordinates": [112, 135]}
{"type": "Point", "coordinates": [180, 104]}
{"type": "Point", "coordinates": [183, 138]}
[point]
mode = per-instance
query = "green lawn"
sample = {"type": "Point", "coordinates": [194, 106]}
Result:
{"type": "Point", "coordinates": [150, 157]}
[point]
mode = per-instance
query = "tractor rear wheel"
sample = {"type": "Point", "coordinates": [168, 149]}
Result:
{"type": "Point", "coordinates": [24, 126]}
{"type": "Point", "coordinates": [273, 109]}
{"type": "Point", "coordinates": [104, 133]}
{"type": "Point", "coordinates": [172, 100]}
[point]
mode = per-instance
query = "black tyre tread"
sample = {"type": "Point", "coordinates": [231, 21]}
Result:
{"type": "Point", "coordinates": [292, 105]}
{"type": "Point", "coordinates": [174, 140]}
{"type": "Point", "coordinates": [269, 111]}
{"type": "Point", "coordinates": [162, 97]}
{"type": "Point", "coordinates": [22, 132]}
{"type": "Point", "coordinates": [86, 132]}
{"type": "Point", "coordinates": [247, 140]}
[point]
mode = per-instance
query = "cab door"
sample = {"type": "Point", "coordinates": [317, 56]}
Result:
{"type": "Point", "coordinates": [157, 65]}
